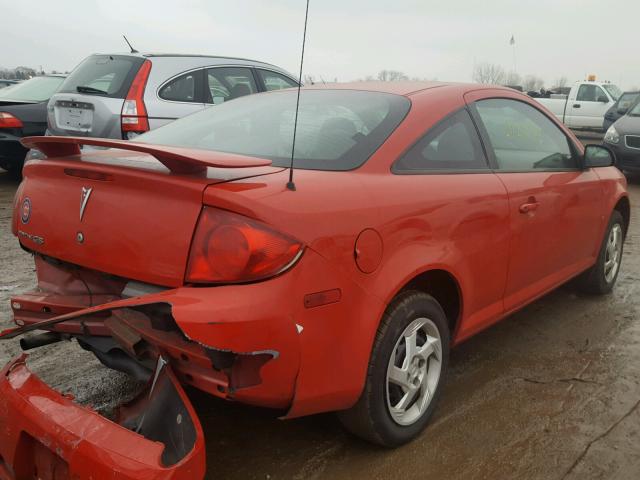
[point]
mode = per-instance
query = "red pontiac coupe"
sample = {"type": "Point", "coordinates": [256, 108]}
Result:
{"type": "Point", "coordinates": [419, 215]}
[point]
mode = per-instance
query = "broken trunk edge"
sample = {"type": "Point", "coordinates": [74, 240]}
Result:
{"type": "Point", "coordinates": [44, 431]}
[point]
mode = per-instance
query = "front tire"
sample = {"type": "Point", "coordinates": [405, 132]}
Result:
{"type": "Point", "coordinates": [601, 278]}
{"type": "Point", "coordinates": [406, 371]}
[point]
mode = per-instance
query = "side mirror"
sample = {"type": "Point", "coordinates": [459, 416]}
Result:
{"type": "Point", "coordinates": [598, 156]}
{"type": "Point", "coordinates": [603, 99]}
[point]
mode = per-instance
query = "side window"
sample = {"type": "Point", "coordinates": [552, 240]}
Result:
{"type": "Point", "coordinates": [227, 83]}
{"type": "Point", "coordinates": [181, 89]}
{"type": "Point", "coordinates": [523, 138]}
{"type": "Point", "coordinates": [590, 93]}
{"type": "Point", "coordinates": [275, 81]}
{"type": "Point", "coordinates": [453, 144]}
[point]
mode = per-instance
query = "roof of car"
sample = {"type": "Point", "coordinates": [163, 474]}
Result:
{"type": "Point", "coordinates": [188, 55]}
{"type": "Point", "coordinates": [191, 55]}
{"type": "Point", "coordinates": [401, 88]}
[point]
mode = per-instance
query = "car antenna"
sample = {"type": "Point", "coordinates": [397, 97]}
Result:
{"type": "Point", "coordinates": [290, 184]}
{"type": "Point", "coordinates": [133, 50]}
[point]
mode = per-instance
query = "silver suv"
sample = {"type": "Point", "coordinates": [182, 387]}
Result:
{"type": "Point", "coordinates": [124, 95]}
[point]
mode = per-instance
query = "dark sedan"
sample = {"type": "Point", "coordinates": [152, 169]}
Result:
{"type": "Point", "coordinates": [23, 112]}
{"type": "Point", "coordinates": [624, 138]}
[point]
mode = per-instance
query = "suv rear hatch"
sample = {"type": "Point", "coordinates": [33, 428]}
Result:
{"type": "Point", "coordinates": [90, 102]}
{"type": "Point", "coordinates": [102, 214]}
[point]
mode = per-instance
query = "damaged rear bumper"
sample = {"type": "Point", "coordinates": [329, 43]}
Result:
{"type": "Point", "coordinates": [45, 435]}
{"type": "Point", "coordinates": [234, 343]}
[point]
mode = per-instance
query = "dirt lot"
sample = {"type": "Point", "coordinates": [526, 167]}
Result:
{"type": "Point", "coordinates": [551, 393]}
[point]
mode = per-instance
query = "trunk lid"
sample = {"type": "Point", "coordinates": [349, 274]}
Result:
{"type": "Point", "coordinates": [90, 100]}
{"type": "Point", "coordinates": [119, 212]}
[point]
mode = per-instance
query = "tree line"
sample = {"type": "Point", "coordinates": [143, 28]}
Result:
{"type": "Point", "coordinates": [490, 73]}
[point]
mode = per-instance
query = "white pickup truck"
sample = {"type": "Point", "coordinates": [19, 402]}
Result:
{"type": "Point", "coordinates": [585, 106]}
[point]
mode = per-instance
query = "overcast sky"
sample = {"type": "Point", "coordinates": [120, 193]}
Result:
{"type": "Point", "coordinates": [347, 39]}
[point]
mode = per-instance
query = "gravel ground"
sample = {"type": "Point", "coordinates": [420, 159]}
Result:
{"type": "Point", "coordinates": [553, 392]}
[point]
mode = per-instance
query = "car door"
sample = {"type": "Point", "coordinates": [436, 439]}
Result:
{"type": "Point", "coordinates": [178, 97]}
{"type": "Point", "coordinates": [587, 109]}
{"type": "Point", "coordinates": [458, 210]}
{"type": "Point", "coordinates": [553, 202]}
{"type": "Point", "coordinates": [226, 83]}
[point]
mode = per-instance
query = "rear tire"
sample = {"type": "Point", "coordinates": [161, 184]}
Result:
{"type": "Point", "coordinates": [601, 278]}
{"type": "Point", "coordinates": [406, 371]}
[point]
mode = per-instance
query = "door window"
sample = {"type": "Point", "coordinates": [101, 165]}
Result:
{"type": "Point", "coordinates": [453, 144]}
{"type": "Point", "coordinates": [590, 93]}
{"type": "Point", "coordinates": [275, 81]}
{"type": "Point", "coordinates": [522, 138]}
{"type": "Point", "coordinates": [181, 89]}
{"type": "Point", "coordinates": [227, 83]}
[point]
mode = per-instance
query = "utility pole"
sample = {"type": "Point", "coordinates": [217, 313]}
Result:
{"type": "Point", "coordinates": [512, 42]}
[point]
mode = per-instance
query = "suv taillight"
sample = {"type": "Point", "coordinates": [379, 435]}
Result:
{"type": "Point", "coordinates": [231, 248]}
{"type": "Point", "coordinates": [134, 118]}
{"type": "Point", "coordinates": [9, 121]}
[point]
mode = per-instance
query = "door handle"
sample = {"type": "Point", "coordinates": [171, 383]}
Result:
{"type": "Point", "coordinates": [576, 105]}
{"type": "Point", "coordinates": [530, 206]}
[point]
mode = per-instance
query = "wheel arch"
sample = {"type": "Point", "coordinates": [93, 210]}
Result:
{"type": "Point", "coordinates": [624, 207]}
{"type": "Point", "coordinates": [442, 285]}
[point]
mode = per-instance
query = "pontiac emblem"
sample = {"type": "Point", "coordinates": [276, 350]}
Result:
{"type": "Point", "coordinates": [84, 198]}
{"type": "Point", "coordinates": [26, 210]}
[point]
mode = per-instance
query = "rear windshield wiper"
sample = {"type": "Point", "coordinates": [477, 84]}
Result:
{"type": "Point", "coordinates": [85, 89]}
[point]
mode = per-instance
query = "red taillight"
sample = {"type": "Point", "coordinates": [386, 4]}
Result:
{"type": "Point", "coordinates": [9, 121]}
{"type": "Point", "coordinates": [230, 248]}
{"type": "Point", "coordinates": [134, 113]}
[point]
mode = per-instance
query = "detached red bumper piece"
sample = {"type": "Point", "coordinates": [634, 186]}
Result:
{"type": "Point", "coordinates": [45, 435]}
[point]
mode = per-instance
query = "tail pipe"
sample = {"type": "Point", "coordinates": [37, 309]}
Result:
{"type": "Point", "coordinates": [40, 340]}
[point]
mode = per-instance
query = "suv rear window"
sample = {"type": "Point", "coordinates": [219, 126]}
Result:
{"type": "Point", "coordinates": [106, 75]}
{"type": "Point", "coordinates": [337, 129]}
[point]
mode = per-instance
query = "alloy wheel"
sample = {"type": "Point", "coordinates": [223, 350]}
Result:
{"type": "Point", "coordinates": [414, 371]}
{"type": "Point", "coordinates": [613, 253]}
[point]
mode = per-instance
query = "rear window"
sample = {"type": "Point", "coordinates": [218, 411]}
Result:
{"type": "Point", "coordinates": [106, 75]}
{"type": "Point", "coordinates": [337, 129]}
{"type": "Point", "coordinates": [36, 89]}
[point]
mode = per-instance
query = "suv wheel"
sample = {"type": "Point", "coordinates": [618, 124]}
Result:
{"type": "Point", "coordinates": [406, 371]}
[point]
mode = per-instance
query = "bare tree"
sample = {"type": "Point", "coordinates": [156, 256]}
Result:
{"type": "Point", "coordinates": [513, 79]}
{"type": "Point", "coordinates": [532, 83]}
{"type": "Point", "coordinates": [308, 79]}
{"type": "Point", "coordinates": [488, 73]}
{"type": "Point", "coordinates": [391, 76]}
{"type": "Point", "coordinates": [560, 83]}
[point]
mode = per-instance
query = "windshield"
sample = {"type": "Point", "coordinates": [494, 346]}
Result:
{"type": "Point", "coordinates": [626, 100]}
{"type": "Point", "coordinates": [613, 90]}
{"type": "Point", "coordinates": [36, 89]}
{"type": "Point", "coordinates": [635, 111]}
{"type": "Point", "coordinates": [337, 129]}
{"type": "Point", "coordinates": [106, 75]}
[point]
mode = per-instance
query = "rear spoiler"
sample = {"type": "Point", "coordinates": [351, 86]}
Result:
{"type": "Point", "coordinates": [176, 159]}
